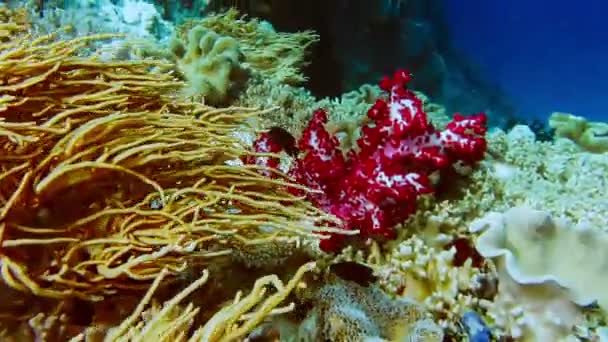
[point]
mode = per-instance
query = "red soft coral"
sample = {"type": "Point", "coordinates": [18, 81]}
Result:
{"type": "Point", "coordinates": [377, 187]}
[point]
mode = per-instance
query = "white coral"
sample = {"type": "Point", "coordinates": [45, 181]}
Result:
{"type": "Point", "coordinates": [136, 18]}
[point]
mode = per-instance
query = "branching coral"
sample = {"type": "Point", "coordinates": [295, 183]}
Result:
{"type": "Point", "coordinates": [12, 22]}
{"type": "Point", "coordinates": [418, 271]}
{"type": "Point", "coordinates": [173, 322]}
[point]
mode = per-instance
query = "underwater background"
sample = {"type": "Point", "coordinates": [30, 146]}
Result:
{"type": "Point", "coordinates": [302, 171]}
{"type": "Point", "coordinates": [546, 57]}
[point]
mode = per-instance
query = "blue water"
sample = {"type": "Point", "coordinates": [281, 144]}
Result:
{"type": "Point", "coordinates": [547, 55]}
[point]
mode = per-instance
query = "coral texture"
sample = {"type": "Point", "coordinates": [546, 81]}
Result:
{"type": "Point", "coordinates": [376, 187]}
{"type": "Point", "coordinates": [135, 18]}
{"type": "Point", "coordinates": [346, 311]}
{"type": "Point", "coordinates": [418, 270]}
{"type": "Point", "coordinates": [91, 149]}
{"type": "Point", "coordinates": [277, 56]}
{"type": "Point", "coordinates": [210, 63]}
{"type": "Point", "coordinates": [591, 136]}
{"type": "Point", "coordinates": [533, 244]}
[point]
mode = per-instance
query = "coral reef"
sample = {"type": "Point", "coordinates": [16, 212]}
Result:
{"type": "Point", "coordinates": [131, 209]}
{"type": "Point", "coordinates": [379, 184]}
{"type": "Point", "coordinates": [145, 162]}
{"type": "Point", "coordinates": [541, 294]}
{"type": "Point", "coordinates": [110, 180]}
{"type": "Point", "coordinates": [417, 270]}
{"type": "Point", "coordinates": [219, 53]}
{"type": "Point", "coordinates": [556, 177]}
{"type": "Point", "coordinates": [136, 18]}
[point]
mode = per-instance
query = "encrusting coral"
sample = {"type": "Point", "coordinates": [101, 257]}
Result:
{"type": "Point", "coordinates": [110, 180]}
{"type": "Point", "coordinates": [345, 311]}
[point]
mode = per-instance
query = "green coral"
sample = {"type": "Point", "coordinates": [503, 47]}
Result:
{"type": "Point", "coordinates": [210, 63]}
{"type": "Point", "coordinates": [592, 136]}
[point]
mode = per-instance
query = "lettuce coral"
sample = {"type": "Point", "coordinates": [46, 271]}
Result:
{"type": "Point", "coordinates": [533, 245]}
{"type": "Point", "coordinates": [545, 288]}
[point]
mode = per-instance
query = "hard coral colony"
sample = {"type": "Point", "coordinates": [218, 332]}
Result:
{"type": "Point", "coordinates": [376, 187]}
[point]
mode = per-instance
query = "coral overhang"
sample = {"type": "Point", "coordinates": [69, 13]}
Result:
{"type": "Point", "coordinates": [376, 187]}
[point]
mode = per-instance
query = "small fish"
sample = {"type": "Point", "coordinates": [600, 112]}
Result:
{"type": "Point", "coordinates": [283, 138]}
{"type": "Point", "coordinates": [354, 271]}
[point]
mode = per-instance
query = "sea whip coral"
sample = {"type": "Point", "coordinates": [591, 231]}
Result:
{"type": "Point", "coordinates": [376, 187]}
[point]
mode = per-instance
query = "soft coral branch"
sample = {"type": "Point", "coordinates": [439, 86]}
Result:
{"type": "Point", "coordinates": [376, 187]}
